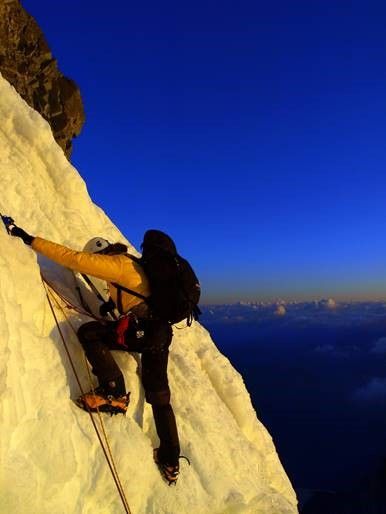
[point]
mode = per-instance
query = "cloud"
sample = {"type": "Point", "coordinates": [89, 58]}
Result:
{"type": "Point", "coordinates": [328, 304]}
{"type": "Point", "coordinates": [341, 352]}
{"type": "Point", "coordinates": [379, 346]}
{"type": "Point", "coordinates": [372, 392]}
{"type": "Point", "coordinates": [325, 348]}
{"type": "Point", "coordinates": [280, 310]}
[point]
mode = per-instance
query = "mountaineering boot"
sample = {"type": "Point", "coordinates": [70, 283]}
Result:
{"type": "Point", "coordinates": [99, 400]}
{"type": "Point", "coordinates": [168, 471]}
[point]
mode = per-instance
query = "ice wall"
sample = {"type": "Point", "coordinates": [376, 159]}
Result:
{"type": "Point", "coordinates": [51, 460]}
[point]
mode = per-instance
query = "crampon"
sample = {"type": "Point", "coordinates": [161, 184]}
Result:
{"type": "Point", "coordinates": [169, 472]}
{"type": "Point", "coordinates": [95, 401]}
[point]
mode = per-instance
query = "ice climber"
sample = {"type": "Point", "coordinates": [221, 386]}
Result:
{"type": "Point", "coordinates": [150, 337]}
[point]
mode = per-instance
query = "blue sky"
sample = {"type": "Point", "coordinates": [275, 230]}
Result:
{"type": "Point", "coordinates": [252, 132]}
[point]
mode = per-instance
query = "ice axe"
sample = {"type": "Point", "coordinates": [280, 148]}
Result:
{"type": "Point", "coordinates": [8, 222]}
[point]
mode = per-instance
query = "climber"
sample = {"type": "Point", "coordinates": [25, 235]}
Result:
{"type": "Point", "coordinates": [134, 332]}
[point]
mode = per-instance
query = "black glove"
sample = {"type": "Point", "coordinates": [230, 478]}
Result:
{"type": "Point", "coordinates": [19, 232]}
{"type": "Point", "coordinates": [106, 307]}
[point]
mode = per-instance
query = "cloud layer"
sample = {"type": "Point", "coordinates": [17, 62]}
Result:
{"type": "Point", "coordinates": [379, 346]}
{"type": "Point", "coordinates": [372, 392]}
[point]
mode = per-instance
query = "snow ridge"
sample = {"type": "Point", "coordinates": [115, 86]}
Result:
{"type": "Point", "coordinates": [51, 461]}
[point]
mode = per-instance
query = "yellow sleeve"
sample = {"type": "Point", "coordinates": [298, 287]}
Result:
{"type": "Point", "coordinates": [105, 267]}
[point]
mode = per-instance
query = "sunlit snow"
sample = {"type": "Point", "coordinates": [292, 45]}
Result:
{"type": "Point", "coordinates": [51, 460]}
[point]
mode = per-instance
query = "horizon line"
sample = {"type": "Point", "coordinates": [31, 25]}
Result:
{"type": "Point", "coordinates": [293, 301]}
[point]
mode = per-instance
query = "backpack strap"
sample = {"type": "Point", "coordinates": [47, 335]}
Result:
{"type": "Point", "coordinates": [127, 290]}
{"type": "Point", "coordinates": [133, 258]}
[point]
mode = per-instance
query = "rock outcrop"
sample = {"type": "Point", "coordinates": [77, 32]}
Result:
{"type": "Point", "coordinates": [27, 63]}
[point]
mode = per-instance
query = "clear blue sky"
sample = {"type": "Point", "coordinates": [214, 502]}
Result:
{"type": "Point", "coordinates": [253, 132]}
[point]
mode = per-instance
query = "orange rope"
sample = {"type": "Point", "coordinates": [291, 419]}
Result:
{"type": "Point", "coordinates": [107, 452]}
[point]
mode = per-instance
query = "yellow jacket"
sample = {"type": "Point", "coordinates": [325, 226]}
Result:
{"type": "Point", "coordinates": [112, 268]}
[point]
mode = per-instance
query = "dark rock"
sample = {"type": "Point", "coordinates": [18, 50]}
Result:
{"type": "Point", "coordinates": [27, 63]}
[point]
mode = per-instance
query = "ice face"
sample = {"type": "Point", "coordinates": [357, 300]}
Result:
{"type": "Point", "coordinates": [51, 459]}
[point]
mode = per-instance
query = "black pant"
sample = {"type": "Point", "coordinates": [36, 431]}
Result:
{"type": "Point", "coordinates": [99, 338]}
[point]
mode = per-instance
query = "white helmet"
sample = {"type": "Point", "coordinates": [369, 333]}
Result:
{"type": "Point", "coordinates": [96, 245]}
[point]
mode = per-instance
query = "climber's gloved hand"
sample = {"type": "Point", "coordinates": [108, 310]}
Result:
{"type": "Point", "coordinates": [106, 307]}
{"type": "Point", "coordinates": [19, 232]}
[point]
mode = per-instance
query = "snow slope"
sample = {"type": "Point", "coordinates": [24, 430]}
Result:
{"type": "Point", "coordinates": [51, 460]}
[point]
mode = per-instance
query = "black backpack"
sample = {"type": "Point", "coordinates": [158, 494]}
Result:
{"type": "Point", "coordinates": [175, 289]}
